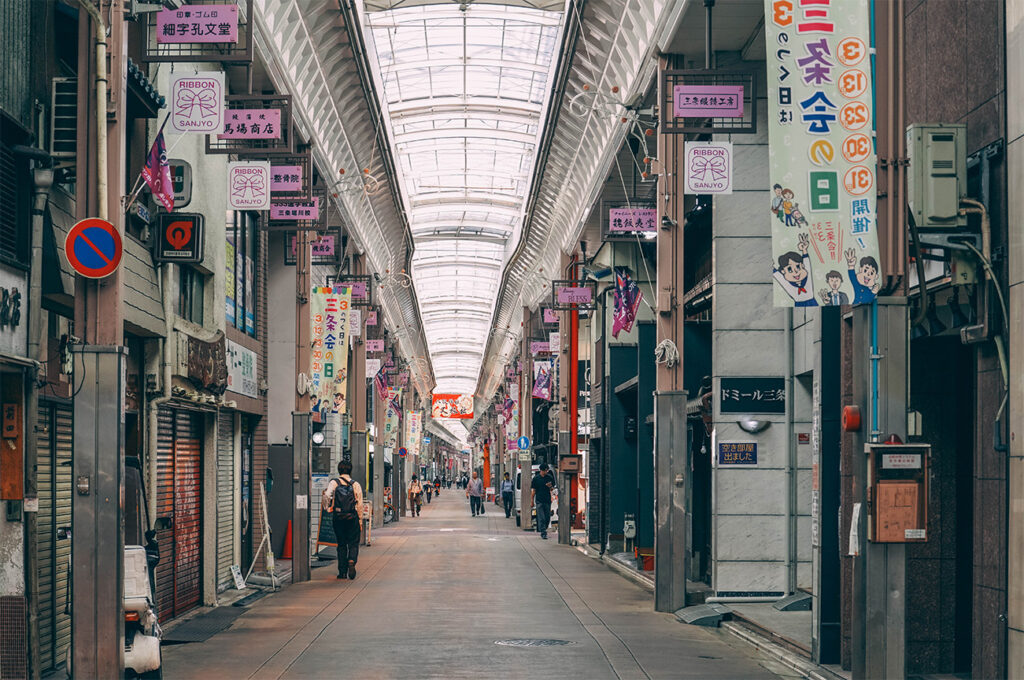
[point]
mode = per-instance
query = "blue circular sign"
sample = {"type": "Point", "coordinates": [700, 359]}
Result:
{"type": "Point", "coordinates": [402, 452]}
{"type": "Point", "coordinates": [523, 442]}
{"type": "Point", "coordinates": [93, 248]}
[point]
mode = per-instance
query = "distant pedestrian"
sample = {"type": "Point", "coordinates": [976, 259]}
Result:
{"type": "Point", "coordinates": [508, 495]}
{"type": "Point", "coordinates": [343, 500]}
{"type": "Point", "coordinates": [540, 495]}
{"type": "Point", "coordinates": [429, 488]}
{"type": "Point", "coordinates": [415, 496]}
{"type": "Point", "coordinates": [475, 492]}
{"type": "Point", "coordinates": [437, 486]}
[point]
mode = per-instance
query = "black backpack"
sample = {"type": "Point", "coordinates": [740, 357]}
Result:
{"type": "Point", "coordinates": [344, 506]}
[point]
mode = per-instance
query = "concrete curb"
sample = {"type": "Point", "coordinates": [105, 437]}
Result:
{"type": "Point", "coordinates": [786, 657]}
{"type": "Point", "coordinates": [621, 569]}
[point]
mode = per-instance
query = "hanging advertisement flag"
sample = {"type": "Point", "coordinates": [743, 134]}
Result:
{"type": "Point", "coordinates": [452, 406]}
{"type": "Point", "coordinates": [328, 372]}
{"type": "Point", "coordinates": [157, 173]}
{"type": "Point", "coordinates": [709, 167]}
{"type": "Point", "coordinates": [542, 379]}
{"type": "Point", "coordinates": [627, 296]}
{"type": "Point", "coordinates": [392, 420]}
{"type": "Point", "coordinates": [413, 431]}
{"type": "Point", "coordinates": [249, 185]}
{"type": "Point", "coordinates": [381, 384]}
{"type": "Point", "coordinates": [197, 102]}
{"type": "Point", "coordinates": [821, 153]}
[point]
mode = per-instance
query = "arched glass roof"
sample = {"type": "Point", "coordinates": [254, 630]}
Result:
{"type": "Point", "coordinates": [465, 92]}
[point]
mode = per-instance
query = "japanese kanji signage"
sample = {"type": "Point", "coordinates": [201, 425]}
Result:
{"type": "Point", "coordinates": [737, 453]}
{"type": "Point", "coordinates": [708, 167]}
{"type": "Point", "coordinates": [296, 210]}
{"type": "Point", "coordinates": [197, 102]}
{"type": "Point", "coordinates": [374, 345]}
{"type": "Point", "coordinates": [285, 177]}
{"type": "Point", "coordinates": [322, 247]}
{"type": "Point", "coordinates": [413, 431]}
{"type": "Point", "coordinates": [451, 406]}
{"type": "Point", "coordinates": [251, 124]}
{"type": "Point", "coordinates": [700, 101]}
{"type": "Point", "coordinates": [197, 24]}
{"type": "Point", "coordinates": [392, 419]}
{"type": "Point", "coordinates": [821, 155]}
{"type": "Point", "coordinates": [632, 219]}
{"type": "Point", "coordinates": [372, 366]}
{"type": "Point", "coordinates": [751, 396]}
{"type": "Point", "coordinates": [249, 185]}
{"type": "Point", "coordinates": [328, 370]}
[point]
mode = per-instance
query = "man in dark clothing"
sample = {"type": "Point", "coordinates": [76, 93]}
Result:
{"type": "Point", "coordinates": [346, 528]}
{"type": "Point", "coordinates": [540, 496]}
{"type": "Point", "coordinates": [508, 495]}
{"type": "Point", "coordinates": [475, 494]}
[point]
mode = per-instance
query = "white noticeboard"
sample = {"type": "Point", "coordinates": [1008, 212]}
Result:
{"type": "Point", "coordinates": [709, 167]}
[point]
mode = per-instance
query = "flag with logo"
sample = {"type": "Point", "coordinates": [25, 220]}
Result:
{"type": "Point", "coordinates": [157, 173]}
{"type": "Point", "coordinates": [627, 301]}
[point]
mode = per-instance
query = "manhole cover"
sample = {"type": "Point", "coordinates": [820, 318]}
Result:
{"type": "Point", "coordinates": [533, 642]}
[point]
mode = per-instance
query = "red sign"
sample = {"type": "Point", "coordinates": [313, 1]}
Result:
{"type": "Point", "coordinates": [93, 248]}
{"type": "Point", "coordinates": [179, 238]}
{"type": "Point", "coordinates": [452, 406]}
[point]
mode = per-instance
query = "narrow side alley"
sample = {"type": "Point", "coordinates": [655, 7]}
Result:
{"type": "Point", "coordinates": [435, 594]}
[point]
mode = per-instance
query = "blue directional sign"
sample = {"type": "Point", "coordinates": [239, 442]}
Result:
{"type": "Point", "coordinates": [523, 442]}
{"type": "Point", "coordinates": [426, 440]}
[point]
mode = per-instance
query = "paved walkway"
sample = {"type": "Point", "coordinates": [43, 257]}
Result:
{"type": "Point", "coordinates": [435, 593]}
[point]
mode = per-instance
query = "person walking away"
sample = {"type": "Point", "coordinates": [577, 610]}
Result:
{"type": "Point", "coordinates": [430, 491]}
{"type": "Point", "coordinates": [437, 486]}
{"type": "Point", "coordinates": [343, 500]}
{"type": "Point", "coordinates": [540, 496]}
{"type": "Point", "coordinates": [415, 496]}
{"type": "Point", "coordinates": [475, 492]}
{"type": "Point", "coordinates": [508, 495]}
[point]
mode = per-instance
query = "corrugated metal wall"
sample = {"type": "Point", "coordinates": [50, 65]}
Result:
{"type": "Point", "coordinates": [16, 60]}
{"type": "Point", "coordinates": [225, 498]}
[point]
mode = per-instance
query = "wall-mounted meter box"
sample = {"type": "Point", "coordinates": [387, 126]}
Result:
{"type": "Point", "coordinates": [898, 492]}
{"type": "Point", "coordinates": [937, 177]}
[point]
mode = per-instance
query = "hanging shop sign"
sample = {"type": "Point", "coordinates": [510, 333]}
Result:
{"type": "Point", "coordinates": [371, 318]}
{"type": "Point", "coordinates": [355, 326]}
{"type": "Point", "coordinates": [821, 154]}
{"type": "Point", "coordinates": [549, 316]}
{"type": "Point", "coordinates": [708, 167]}
{"type": "Point", "coordinates": [242, 370]}
{"type": "Point", "coordinates": [93, 248]}
{"type": "Point", "coordinates": [295, 210]}
{"type": "Point", "coordinates": [752, 395]}
{"type": "Point", "coordinates": [542, 379]}
{"type": "Point", "coordinates": [372, 367]}
{"type": "Point", "coordinates": [249, 185]}
{"type": "Point", "coordinates": [451, 406]}
{"type": "Point", "coordinates": [737, 453]}
{"type": "Point", "coordinates": [285, 178]}
{"type": "Point", "coordinates": [180, 237]}
{"type": "Point", "coordinates": [362, 289]}
{"type": "Point", "coordinates": [322, 247]}
{"type": "Point", "coordinates": [197, 24]}
{"type": "Point", "coordinates": [251, 124]}
{"type": "Point", "coordinates": [207, 365]}
{"type": "Point", "coordinates": [629, 219]}
{"type": "Point", "coordinates": [374, 345]}
{"type": "Point", "coordinates": [554, 343]}
{"type": "Point", "coordinates": [197, 102]}
{"type": "Point", "coordinates": [181, 181]}
{"type": "Point", "coordinates": [566, 295]}
{"type": "Point", "coordinates": [715, 101]}
{"type": "Point", "coordinates": [539, 347]}
{"type": "Point", "coordinates": [329, 360]}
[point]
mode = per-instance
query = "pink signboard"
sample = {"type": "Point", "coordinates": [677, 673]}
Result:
{"type": "Point", "coordinates": [576, 295]}
{"type": "Point", "coordinates": [296, 210]}
{"type": "Point", "coordinates": [285, 178]}
{"type": "Point", "coordinates": [371, 319]}
{"type": "Point", "coordinates": [374, 345]}
{"type": "Point", "coordinates": [550, 316]}
{"type": "Point", "coordinates": [251, 124]}
{"type": "Point", "coordinates": [198, 24]}
{"type": "Point", "coordinates": [538, 347]}
{"type": "Point", "coordinates": [358, 289]}
{"type": "Point", "coordinates": [197, 102]}
{"type": "Point", "coordinates": [632, 219]}
{"type": "Point", "coordinates": [322, 247]}
{"type": "Point", "coordinates": [715, 101]}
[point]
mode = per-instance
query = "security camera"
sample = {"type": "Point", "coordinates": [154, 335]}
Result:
{"type": "Point", "coordinates": [376, 277]}
{"type": "Point", "coordinates": [667, 222]}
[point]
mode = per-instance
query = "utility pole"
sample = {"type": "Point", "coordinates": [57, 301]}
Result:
{"type": "Point", "coordinates": [671, 444]}
{"type": "Point", "coordinates": [97, 592]}
{"type": "Point", "coordinates": [301, 416]}
{"type": "Point", "coordinates": [525, 424]}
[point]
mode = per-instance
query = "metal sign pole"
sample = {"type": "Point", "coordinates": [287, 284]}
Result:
{"type": "Point", "coordinates": [301, 425]}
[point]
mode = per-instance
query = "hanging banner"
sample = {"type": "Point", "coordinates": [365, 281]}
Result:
{"type": "Point", "coordinates": [197, 102]}
{"type": "Point", "coordinates": [542, 379]}
{"type": "Point", "coordinates": [452, 406]}
{"type": "Point", "coordinates": [511, 414]}
{"type": "Point", "coordinates": [249, 185]}
{"type": "Point", "coordinates": [329, 308]}
{"type": "Point", "coordinates": [821, 154]}
{"type": "Point", "coordinates": [413, 431]}
{"type": "Point", "coordinates": [627, 297]}
{"type": "Point", "coordinates": [392, 419]}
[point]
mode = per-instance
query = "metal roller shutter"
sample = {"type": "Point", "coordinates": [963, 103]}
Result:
{"type": "Point", "coordinates": [178, 497]}
{"type": "Point", "coordinates": [225, 497]}
{"type": "Point", "coordinates": [54, 475]}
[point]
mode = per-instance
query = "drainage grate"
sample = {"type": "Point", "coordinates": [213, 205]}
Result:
{"type": "Point", "coordinates": [534, 642]}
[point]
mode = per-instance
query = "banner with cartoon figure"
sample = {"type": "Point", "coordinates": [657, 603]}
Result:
{"type": "Point", "coordinates": [821, 153]}
{"type": "Point", "coordinates": [328, 370]}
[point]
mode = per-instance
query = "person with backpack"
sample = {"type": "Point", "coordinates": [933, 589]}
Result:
{"type": "Point", "coordinates": [343, 500]}
{"type": "Point", "coordinates": [415, 496]}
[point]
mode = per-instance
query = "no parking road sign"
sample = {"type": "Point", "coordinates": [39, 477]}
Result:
{"type": "Point", "coordinates": [93, 248]}
{"type": "Point", "coordinates": [402, 452]}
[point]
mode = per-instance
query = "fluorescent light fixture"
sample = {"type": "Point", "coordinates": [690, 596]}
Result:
{"type": "Point", "coordinates": [752, 425]}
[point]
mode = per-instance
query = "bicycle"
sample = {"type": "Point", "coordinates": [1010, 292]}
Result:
{"type": "Point", "coordinates": [389, 513]}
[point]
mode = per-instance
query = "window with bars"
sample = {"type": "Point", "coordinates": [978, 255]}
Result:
{"type": "Point", "coordinates": [240, 271]}
{"type": "Point", "coordinates": [191, 293]}
{"type": "Point", "coordinates": [15, 194]}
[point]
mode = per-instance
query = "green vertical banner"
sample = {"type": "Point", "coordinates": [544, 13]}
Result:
{"type": "Point", "coordinates": [821, 153]}
{"type": "Point", "coordinates": [328, 370]}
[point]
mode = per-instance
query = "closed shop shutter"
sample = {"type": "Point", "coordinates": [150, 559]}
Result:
{"type": "Point", "coordinates": [179, 454]}
{"type": "Point", "coordinates": [54, 475]}
{"type": "Point", "coordinates": [225, 497]}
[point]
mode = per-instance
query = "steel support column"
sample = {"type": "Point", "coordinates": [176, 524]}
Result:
{"type": "Point", "coordinates": [301, 452]}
